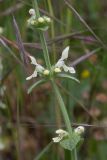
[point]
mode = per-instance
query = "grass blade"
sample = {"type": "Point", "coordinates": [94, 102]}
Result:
{"type": "Point", "coordinates": [19, 42]}
{"type": "Point", "coordinates": [64, 75]}
{"type": "Point", "coordinates": [44, 151]}
{"type": "Point", "coordinates": [83, 21]}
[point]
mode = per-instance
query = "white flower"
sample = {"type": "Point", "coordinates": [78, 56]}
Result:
{"type": "Point", "coordinates": [61, 134]}
{"type": "Point", "coordinates": [79, 130]}
{"type": "Point", "coordinates": [61, 63]}
{"type": "Point", "coordinates": [38, 68]}
{"type": "Point", "coordinates": [41, 19]}
{"type": "Point", "coordinates": [32, 12]}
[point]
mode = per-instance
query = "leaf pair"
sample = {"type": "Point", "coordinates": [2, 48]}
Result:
{"type": "Point", "coordinates": [60, 75]}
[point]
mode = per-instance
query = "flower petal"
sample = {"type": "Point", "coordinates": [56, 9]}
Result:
{"type": "Point", "coordinates": [56, 139]}
{"type": "Point", "coordinates": [39, 68]}
{"type": "Point", "coordinates": [33, 60]}
{"type": "Point", "coordinates": [65, 53]}
{"type": "Point", "coordinates": [60, 131]}
{"type": "Point", "coordinates": [66, 68]}
{"type": "Point", "coordinates": [71, 70]}
{"type": "Point", "coordinates": [59, 64]}
{"type": "Point", "coordinates": [32, 76]}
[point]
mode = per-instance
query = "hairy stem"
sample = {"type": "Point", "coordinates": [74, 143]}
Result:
{"type": "Point", "coordinates": [42, 38]}
{"type": "Point", "coordinates": [62, 107]}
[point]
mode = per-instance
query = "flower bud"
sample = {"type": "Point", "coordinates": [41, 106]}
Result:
{"type": "Point", "coordinates": [57, 70]}
{"type": "Point", "coordinates": [46, 72]}
{"type": "Point", "coordinates": [32, 12]}
{"type": "Point", "coordinates": [32, 22]}
{"type": "Point", "coordinates": [40, 19]}
{"type": "Point", "coordinates": [79, 130]}
{"type": "Point", "coordinates": [47, 19]}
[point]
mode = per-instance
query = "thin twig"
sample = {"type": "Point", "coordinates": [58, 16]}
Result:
{"type": "Point", "coordinates": [5, 45]}
{"type": "Point", "coordinates": [84, 22]}
{"type": "Point", "coordinates": [19, 42]}
{"type": "Point", "coordinates": [34, 125]}
{"type": "Point", "coordinates": [12, 9]}
{"type": "Point", "coordinates": [75, 35]}
{"type": "Point", "coordinates": [84, 57]}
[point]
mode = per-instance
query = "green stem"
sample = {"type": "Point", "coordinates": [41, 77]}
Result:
{"type": "Point", "coordinates": [45, 50]}
{"type": "Point", "coordinates": [62, 107]}
{"type": "Point", "coordinates": [52, 29]}
{"type": "Point", "coordinates": [75, 154]}
{"type": "Point", "coordinates": [57, 92]}
{"type": "Point", "coordinates": [35, 3]}
{"type": "Point", "coordinates": [42, 38]}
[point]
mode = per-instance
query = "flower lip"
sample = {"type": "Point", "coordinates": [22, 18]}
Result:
{"type": "Point", "coordinates": [60, 131]}
{"type": "Point", "coordinates": [61, 134]}
{"type": "Point", "coordinates": [38, 68]}
{"type": "Point", "coordinates": [33, 75]}
{"type": "Point", "coordinates": [56, 139]}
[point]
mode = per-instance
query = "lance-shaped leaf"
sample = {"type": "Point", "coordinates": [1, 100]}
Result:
{"type": "Point", "coordinates": [44, 28]}
{"type": "Point", "coordinates": [38, 83]}
{"type": "Point", "coordinates": [70, 143]}
{"type": "Point", "coordinates": [65, 75]}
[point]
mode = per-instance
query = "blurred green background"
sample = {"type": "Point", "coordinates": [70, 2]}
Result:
{"type": "Point", "coordinates": [28, 122]}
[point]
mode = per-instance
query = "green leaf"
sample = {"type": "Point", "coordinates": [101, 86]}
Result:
{"type": "Point", "coordinates": [71, 142]}
{"type": "Point", "coordinates": [36, 84]}
{"type": "Point", "coordinates": [44, 28]}
{"type": "Point", "coordinates": [64, 75]}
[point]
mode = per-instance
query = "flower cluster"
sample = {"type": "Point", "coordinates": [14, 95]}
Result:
{"type": "Point", "coordinates": [58, 67]}
{"type": "Point", "coordinates": [61, 134]}
{"type": "Point", "coordinates": [64, 134]}
{"type": "Point", "coordinates": [41, 23]}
